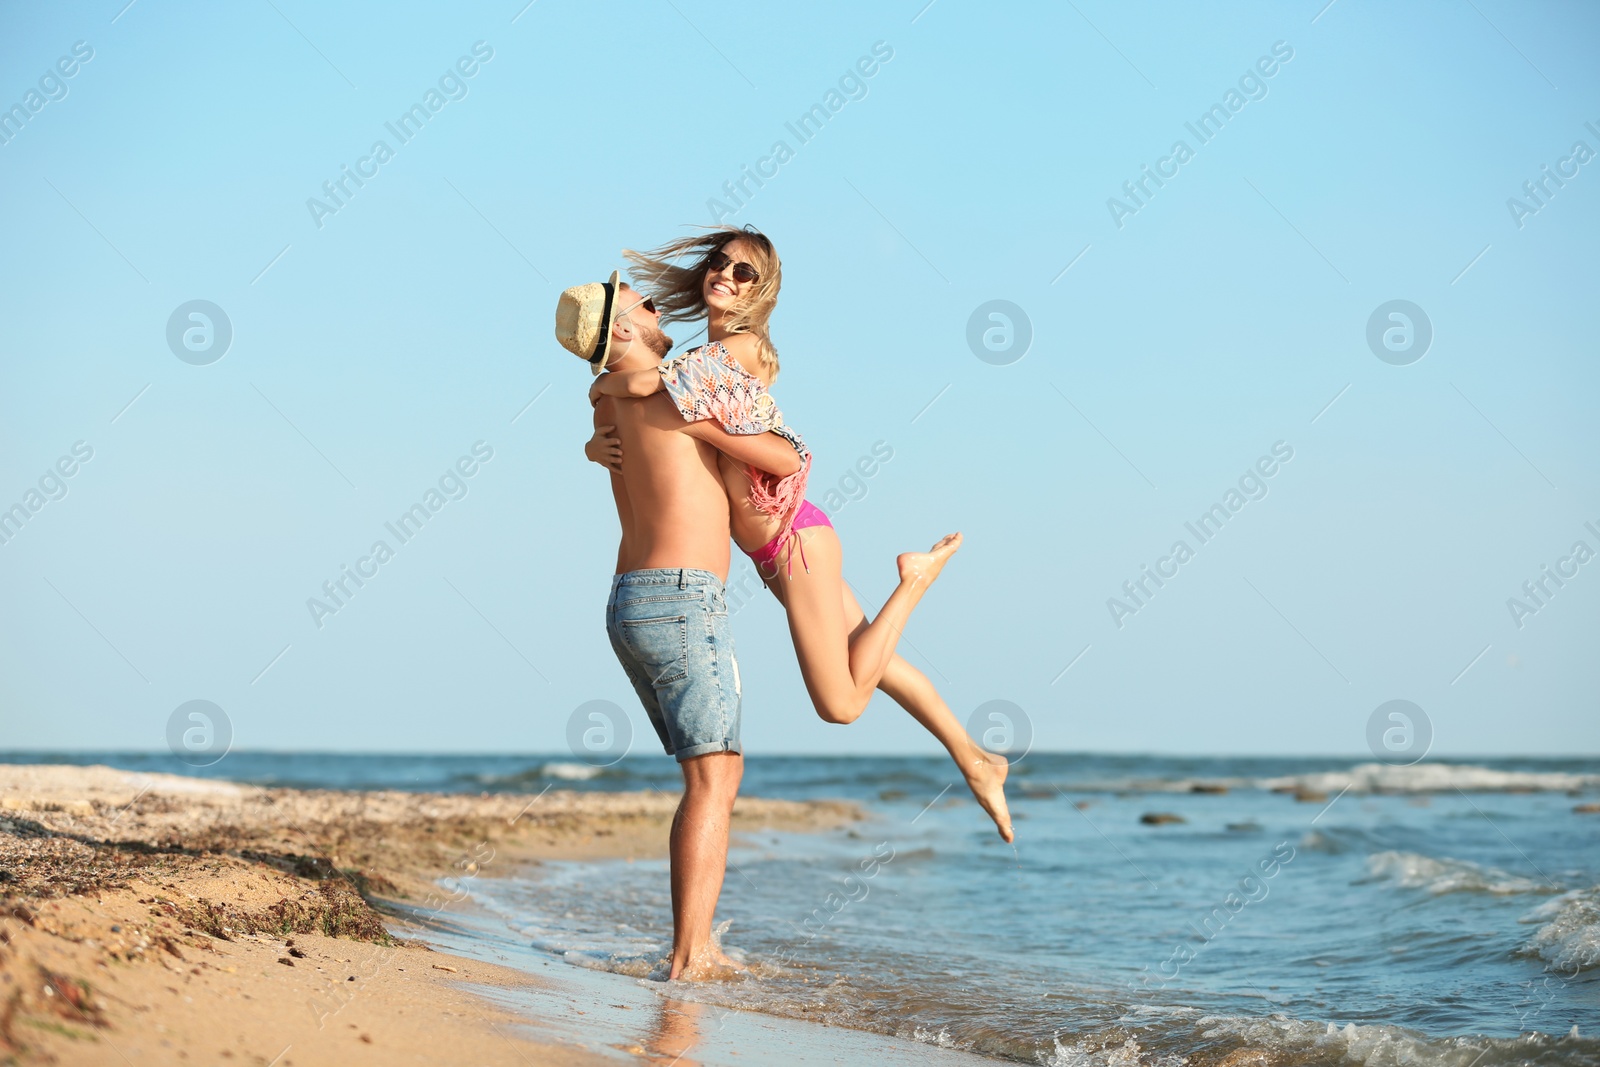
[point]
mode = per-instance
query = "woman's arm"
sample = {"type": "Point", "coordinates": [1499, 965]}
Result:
{"type": "Point", "coordinates": [604, 449]}
{"type": "Point", "coordinates": [625, 383]}
{"type": "Point", "coordinates": [764, 451]}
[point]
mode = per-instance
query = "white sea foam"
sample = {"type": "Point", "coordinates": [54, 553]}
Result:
{"type": "Point", "coordinates": [1569, 938]}
{"type": "Point", "coordinates": [632, 966]}
{"type": "Point", "coordinates": [1431, 778]}
{"type": "Point", "coordinates": [1362, 778]}
{"type": "Point", "coordinates": [1127, 1054]}
{"type": "Point", "coordinates": [571, 772]}
{"type": "Point", "coordinates": [1375, 1046]}
{"type": "Point", "coordinates": [1439, 876]}
{"type": "Point", "coordinates": [939, 1039]}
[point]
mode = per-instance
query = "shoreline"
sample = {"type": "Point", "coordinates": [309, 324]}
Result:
{"type": "Point", "coordinates": [153, 918]}
{"type": "Point", "coordinates": [147, 917]}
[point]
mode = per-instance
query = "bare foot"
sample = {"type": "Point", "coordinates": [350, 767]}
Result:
{"type": "Point", "coordinates": [723, 960]}
{"type": "Point", "coordinates": [709, 965]}
{"type": "Point", "coordinates": [711, 969]}
{"type": "Point", "coordinates": [986, 777]}
{"type": "Point", "coordinates": [924, 567]}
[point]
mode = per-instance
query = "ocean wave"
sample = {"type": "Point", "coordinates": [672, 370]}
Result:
{"type": "Point", "coordinates": [1380, 1045]}
{"type": "Point", "coordinates": [1361, 778]}
{"type": "Point", "coordinates": [1440, 876]}
{"type": "Point", "coordinates": [1127, 1054]}
{"type": "Point", "coordinates": [1429, 778]}
{"type": "Point", "coordinates": [630, 966]}
{"type": "Point", "coordinates": [1569, 939]}
{"type": "Point", "coordinates": [570, 772]}
{"type": "Point", "coordinates": [939, 1039]}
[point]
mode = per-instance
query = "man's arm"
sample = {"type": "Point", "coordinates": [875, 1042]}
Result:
{"type": "Point", "coordinates": [763, 451]}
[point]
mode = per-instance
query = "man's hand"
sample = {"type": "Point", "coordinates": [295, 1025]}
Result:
{"type": "Point", "coordinates": [604, 450]}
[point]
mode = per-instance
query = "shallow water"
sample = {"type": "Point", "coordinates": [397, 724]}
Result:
{"type": "Point", "coordinates": [1430, 914]}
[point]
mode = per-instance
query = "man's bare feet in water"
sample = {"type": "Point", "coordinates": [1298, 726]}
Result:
{"type": "Point", "coordinates": [924, 567]}
{"type": "Point", "coordinates": [722, 959]}
{"type": "Point", "coordinates": [986, 777]}
{"type": "Point", "coordinates": [711, 965]}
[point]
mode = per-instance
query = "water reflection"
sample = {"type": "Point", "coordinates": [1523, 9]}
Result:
{"type": "Point", "coordinates": [675, 1033]}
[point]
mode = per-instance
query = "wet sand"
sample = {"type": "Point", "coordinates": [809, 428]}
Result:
{"type": "Point", "coordinates": [149, 918]}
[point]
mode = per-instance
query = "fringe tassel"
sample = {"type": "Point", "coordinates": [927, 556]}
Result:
{"type": "Point", "coordinates": [776, 496]}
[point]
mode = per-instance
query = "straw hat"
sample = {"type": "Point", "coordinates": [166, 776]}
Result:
{"type": "Point", "coordinates": [584, 316]}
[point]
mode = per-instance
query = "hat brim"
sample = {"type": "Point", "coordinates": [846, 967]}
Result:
{"type": "Point", "coordinates": [607, 320]}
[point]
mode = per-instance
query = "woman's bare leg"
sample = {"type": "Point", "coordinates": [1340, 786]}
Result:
{"type": "Point", "coordinates": [984, 771]}
{"type": "Point", "coordinates": [841, 672]}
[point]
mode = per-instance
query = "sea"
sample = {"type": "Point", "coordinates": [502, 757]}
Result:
{"type": "Point", "coordinates": [1153, 911]}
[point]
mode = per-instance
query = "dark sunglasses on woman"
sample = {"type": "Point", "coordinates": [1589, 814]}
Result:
{"type": "Point", "coordinates": [743, 273]}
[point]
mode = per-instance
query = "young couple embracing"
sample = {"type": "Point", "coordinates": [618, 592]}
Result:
{"type": "Point", "coordinates": [699, 453]}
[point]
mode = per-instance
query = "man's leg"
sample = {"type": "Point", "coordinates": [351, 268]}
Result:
{"type": "Point", "coordinates": [670, 630]}
{"type": "Point", "coordinates": [700, 856]}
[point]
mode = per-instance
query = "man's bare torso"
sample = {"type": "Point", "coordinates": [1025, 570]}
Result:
{"type": "Point", "coordinates": [669, 496]}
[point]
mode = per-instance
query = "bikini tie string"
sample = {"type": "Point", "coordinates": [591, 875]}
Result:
{"type": "Point", "coordinates": [797, 540]}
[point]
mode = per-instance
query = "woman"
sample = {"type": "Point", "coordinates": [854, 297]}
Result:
{"type": "Point", "coordinates": [733, 281]}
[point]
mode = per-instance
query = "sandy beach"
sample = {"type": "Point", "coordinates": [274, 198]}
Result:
{"type": "Point", "coordinates": [150, 918]}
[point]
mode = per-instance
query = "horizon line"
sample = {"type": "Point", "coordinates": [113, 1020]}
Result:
{"type": "Point", "coordinates": [570, 757]}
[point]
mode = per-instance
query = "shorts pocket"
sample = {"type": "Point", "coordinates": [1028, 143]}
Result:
{"type": "Point", "coordinates": [660, 647]}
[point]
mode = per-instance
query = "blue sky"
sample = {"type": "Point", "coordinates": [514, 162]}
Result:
{"type": "Point", "coordinates": [374, 346]}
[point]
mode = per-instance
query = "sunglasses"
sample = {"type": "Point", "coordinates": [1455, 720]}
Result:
{"type": "Point", "coordinates": [743, 272]}
{"type": "Point", "coordinates": [647, 303]}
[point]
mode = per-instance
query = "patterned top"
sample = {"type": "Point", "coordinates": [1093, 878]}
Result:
{"type": "Point", "coordinates": [708, 383]}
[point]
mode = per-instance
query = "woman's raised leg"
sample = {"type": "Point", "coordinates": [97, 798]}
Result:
{"type": "Point", "coordinates": [984, 771]}
{"type": "Point", "coordinates": [841, 672]}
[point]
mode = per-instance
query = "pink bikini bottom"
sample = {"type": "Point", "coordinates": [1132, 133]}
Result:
{"type": "Point", "coordinates": [766, 557]}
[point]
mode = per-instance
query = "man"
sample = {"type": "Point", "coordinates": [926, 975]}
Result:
{"type": "Point", "coordinates": [666, 615]}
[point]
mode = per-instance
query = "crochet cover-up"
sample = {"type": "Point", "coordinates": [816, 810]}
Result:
{"type": "Point", "coordinates": [708, 383]}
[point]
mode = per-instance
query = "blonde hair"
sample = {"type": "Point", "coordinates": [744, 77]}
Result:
{"type": "Point", "coordinates": [679, 291]}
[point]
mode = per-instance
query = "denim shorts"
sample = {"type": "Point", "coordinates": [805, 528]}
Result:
{"type": "Point", "coordinates": [669, 629]}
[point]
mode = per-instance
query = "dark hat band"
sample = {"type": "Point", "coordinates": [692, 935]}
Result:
{"type": "Point", "coordinates": [605, 324]}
